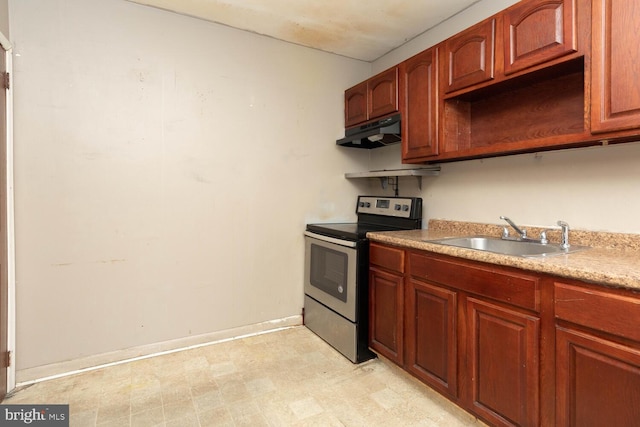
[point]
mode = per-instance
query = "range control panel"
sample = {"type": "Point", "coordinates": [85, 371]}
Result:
{"type": "Point", "coordinates": [401, 207]}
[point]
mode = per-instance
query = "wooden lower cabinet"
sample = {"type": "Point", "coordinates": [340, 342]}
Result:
{"type": "Point", "coordinates": [431, 336]}
{"type": "Point", "coordinates": [469, 331]}
{"type": "Point", "coordinates": [598, 381]}
{"type": "Point", "coordinates": [503, 364]}
{"type": "Point", "coordinates": [513, 347]}
{"type": "Point", "coordinates": [386, 314]}
{"type": "Point", "coordinates": [597, 356]}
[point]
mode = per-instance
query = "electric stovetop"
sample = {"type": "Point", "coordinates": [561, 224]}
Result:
{"type": "Point", "coordinates": [375, 214]}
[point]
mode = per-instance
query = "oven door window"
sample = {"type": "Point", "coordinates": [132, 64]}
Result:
{"type": "Point", "coordinates": [329, 269]}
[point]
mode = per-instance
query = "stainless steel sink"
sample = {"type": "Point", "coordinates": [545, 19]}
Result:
{"type": "Point", "coordinates": [507, 247]}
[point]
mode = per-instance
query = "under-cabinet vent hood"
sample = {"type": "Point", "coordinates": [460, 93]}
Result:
{"type": "Point", "coordinates": [373, 135]}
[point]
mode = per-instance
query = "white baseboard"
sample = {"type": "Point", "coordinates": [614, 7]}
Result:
{"type": "Point", "coordinates": [55, 370]}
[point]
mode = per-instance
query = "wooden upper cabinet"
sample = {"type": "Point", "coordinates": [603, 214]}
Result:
{"type": "Point", "coordinates": [537, 31]}
{"type": "Point", "coordinates": [383, 93]}
{"type": "Point", "coordinates": [530, 33]}
{"type": "Point", "coordinates": [355, 105]}
{"type": "Point", "coordinates": [615, 66]}
{"type": "Point", "coordinates": [371, 99]}
{"type": "Point", "coordinates": [418, 103]}
{"type": "Point", "coordinates": [470, 56]}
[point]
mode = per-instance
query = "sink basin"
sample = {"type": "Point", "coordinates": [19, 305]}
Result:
{"type": "Point", "coordinates": [507, 247]}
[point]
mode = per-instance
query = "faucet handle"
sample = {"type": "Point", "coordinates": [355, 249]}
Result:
{"type": "Point", "coordinates": [543, 236]}
{"type": "Point", "coordinates": [505, 232]}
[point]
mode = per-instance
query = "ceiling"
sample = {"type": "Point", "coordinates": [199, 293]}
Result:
{"type": "Point", "coordinates": [359, 29]}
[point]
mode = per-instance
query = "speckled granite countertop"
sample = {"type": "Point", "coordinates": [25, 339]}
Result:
{"type": "Point", "coordinates": [612, 260]}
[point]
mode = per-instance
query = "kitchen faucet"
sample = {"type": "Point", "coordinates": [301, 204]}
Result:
{"type": "Point", "coordinates": [522, 234]}
{"type": "Point", "coordinates": [505, 231]}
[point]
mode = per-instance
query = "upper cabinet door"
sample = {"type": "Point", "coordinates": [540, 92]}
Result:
{"type": "Point", "coordinates": [470, 56]}
{"type": "Point", "coordinates": [419, 103]}
{"type": "Point", "coordinates": [536, 31]}
{"type": "Point", "coordinates": [355, 105]}
{"type": "Point", "coordinates": [373, 98]}
{"type": "Point", "coordinates": [383, 93]}
{"type": "Point", "coordinates": [615, 66]}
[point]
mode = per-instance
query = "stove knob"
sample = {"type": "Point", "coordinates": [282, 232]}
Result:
{"type": "Point", "coordinates": [361, 204]}
{"type": "Point", "coordinates": [405, 208]}
{"type": "Point", "coordinates": [367, 205]}
{"type": "Point", "coordinates": [397, 207]}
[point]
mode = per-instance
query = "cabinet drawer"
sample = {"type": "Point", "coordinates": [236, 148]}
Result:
{"type": "Point", "coordinates": [520, 290]}
{"type": "Point", "coordinates": [387, 257]}
{"type": "Point", "coordinates": [599, 310]}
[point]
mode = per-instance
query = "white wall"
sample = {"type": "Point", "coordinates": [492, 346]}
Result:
{"type": "Point", "coordinates": [4, 17]}
{"type": "Point", "coordinates": [591, 188]}
{"type": "Point", "coordinates": [164, 170]}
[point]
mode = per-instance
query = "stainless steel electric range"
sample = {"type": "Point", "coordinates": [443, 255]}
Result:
{"type": "Point", "coordinates": [337, 271]}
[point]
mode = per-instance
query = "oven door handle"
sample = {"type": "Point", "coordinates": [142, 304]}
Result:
{"type": "Point", "coordinates": [347, 243]}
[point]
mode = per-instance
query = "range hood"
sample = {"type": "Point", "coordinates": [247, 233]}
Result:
{"type": "Point", "coordinates": [373, 135]}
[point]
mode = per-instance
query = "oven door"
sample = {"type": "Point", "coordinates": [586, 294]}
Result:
{"type": "Point", "coordinates": [330, 273]}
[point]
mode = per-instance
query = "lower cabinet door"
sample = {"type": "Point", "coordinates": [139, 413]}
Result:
{"type": "Point", "coordinates": [430, 336]}
{"type": "Point", "coordinates": [386, 314]}
{"type": "Point", "coordinates": [503, 364]}
{"type": "Point", "coordinates": [597, 381]}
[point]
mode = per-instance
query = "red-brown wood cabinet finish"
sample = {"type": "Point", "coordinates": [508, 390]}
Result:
{"type": "Point", "coordinates": [431, 313]}
{"type": "Point", "coordinates": [469, 56]}
{"type": "Point", "coordinates": [471, 331]}
{"type": "Point", "coordinates": [538, 31]}
{"type": "Point", "coordinates": [539, 75]}
{"type": "Point", "coordinates": [515, 348]}
{"type": "Point", "coordinates": [615, 66]}
{"type": "Point", "coordinates": [371, 99]}
{"type": "Point", "coordinates": [503, 354]}
{"type": "Point", "coordinates": [535, 98]}
{"type": "Point", "coordinates": [418, 81]}
{"type": "Point", "coordinates": [498, 330]}
{"type": "Point", "coordinates": [528, 34]}
{"type": "Point", "coordinates": [598, 381]}
{"type": "Point", "coordinates": [383, 93]}
{"type": "Point", "coordinates": [386, 301]}
{"type": "Point", "coordinates": [597, 356]}
{"type": "Point", "coordinates": [355, 105]}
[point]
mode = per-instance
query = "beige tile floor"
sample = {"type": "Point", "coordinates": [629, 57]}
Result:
{"type": "Point", "coordinates": [284, 378]}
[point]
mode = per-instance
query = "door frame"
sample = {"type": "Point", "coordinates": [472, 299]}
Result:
{"type": "Point", "coordinates": [11, 272]}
